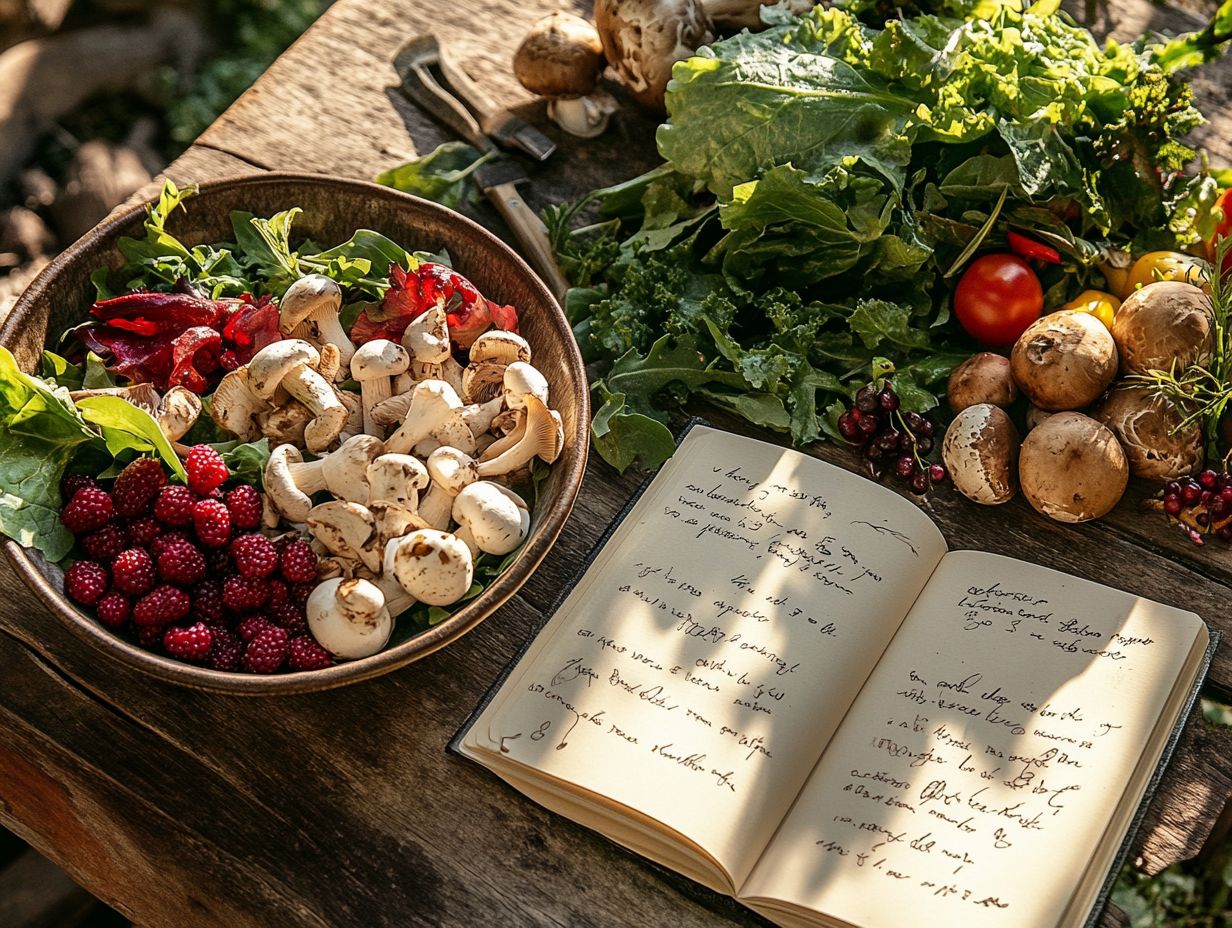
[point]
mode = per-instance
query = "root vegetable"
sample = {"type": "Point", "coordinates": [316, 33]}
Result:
{"type": "Point", "coordinates": [982, 378]}
{"type": "Point", "coordinates": [1072, 468]}
{"type": "Point", "coordinates": [1163, 324]}
{"type": "Point", "coordinates": [1147, 426]}
{"type": "Point", "coordinates": [1064, 360]}
{"type": "Point", "coordinates": [980, 451]}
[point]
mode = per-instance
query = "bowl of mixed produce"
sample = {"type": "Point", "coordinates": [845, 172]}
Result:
{"type": "Point", "coordinates": [285, 432]}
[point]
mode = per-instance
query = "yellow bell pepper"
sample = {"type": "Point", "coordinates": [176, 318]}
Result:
{"type": "Point", "coordinates": [1103, 306]}
{"type": "Point", "coordinates": [1167, 265]}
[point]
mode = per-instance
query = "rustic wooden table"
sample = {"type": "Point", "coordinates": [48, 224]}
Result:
{"type": "Point", "coordinates": [342, 808]}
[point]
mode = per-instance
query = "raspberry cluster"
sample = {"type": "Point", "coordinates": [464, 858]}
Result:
{"type": "Point", "coordinates": [185, 571]}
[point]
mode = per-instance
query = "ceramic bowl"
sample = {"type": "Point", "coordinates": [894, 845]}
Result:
{"type": "Point", "coordinates": [333, 210]}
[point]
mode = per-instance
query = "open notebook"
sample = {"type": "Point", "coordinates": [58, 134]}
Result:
{"type": "Point", "coordinates": [774, 679]}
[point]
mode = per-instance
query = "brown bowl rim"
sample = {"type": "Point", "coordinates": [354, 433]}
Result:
{"type": "Point", "coordinates": [413, 649]}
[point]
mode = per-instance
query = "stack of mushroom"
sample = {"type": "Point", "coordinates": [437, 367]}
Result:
{"type": "Point", "coordinates": [411, 483]}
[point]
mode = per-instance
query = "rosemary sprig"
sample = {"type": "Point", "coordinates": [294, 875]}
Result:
{"type": "Point", "coordinates": [1202, 392]}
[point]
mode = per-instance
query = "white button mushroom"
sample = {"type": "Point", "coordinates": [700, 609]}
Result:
{"type": "Point", "coordinates": [291, 364]}
{"type": "Point", "coordinates": [348, 618]}
{"type": "Point", "coordinates": [519, 381]}
{"type": "Point", "coordinates": [374, 365]}
{"type": "Point", "coordinates": [309, 309]}
{"type": "Point", "coordinates": [433, 567]}
{"type": "Point", "coordinates": [395, 481]}
{"type": "Point", "coordinates": [432, 402]}
{"type": "Point", "coordinates": [451, 471]}
{"type": "Point", "coordinates": [492, 518]}
{"type": "Point", "coordinates": [235, 407]}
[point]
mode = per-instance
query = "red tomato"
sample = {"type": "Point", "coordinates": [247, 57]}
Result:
{"type": "Point", "coordinates": [997, 298]}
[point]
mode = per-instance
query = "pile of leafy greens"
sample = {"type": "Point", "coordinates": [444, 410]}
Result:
{"type": "Point", "coordinates": [825, 176]}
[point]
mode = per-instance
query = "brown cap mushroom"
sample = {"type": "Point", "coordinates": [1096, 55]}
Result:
{"type": "Point", "coordinates": [980, 450]}
{"type": "Point", "coordinates": [982, 378]}
{"type": "Point", "coordinates": [1072, 468]}
{"type": "Point", "coordinates": [561, 58]}
{"type": "Point", "coordinates": [1162, 325]}
{"type": "Point", "coordinates": [1150, 431]}
{"type": "Point", "coordinates": [1064, 360]}
{"type": "Point", "coordinates": [347, 530]}
{"type": "Point", "coordinates": [434, 567]}
{"type": "Point", "coordinates": [642, 39]}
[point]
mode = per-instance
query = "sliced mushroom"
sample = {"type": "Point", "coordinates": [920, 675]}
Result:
{"type": "Point", "coordinates": [309, 310]}
{"type": "Point", "coordinates": [491, 518]}
{"type": "Point", "coordinates": [374, 365]}
{"type": "Point", "coordinates": [499, 345]}
{"type": "Point", "coordinates": [291, 364]}
{"type": "Point", "coordinates": [348, 530]}
{"type": "Point", "coordinates": [349, 618]}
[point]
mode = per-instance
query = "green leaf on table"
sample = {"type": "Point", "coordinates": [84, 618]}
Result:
{"type": "Point", "coordinates": [440, 175]}
{"type": "Point", "coordinates": [623, 436]}
{"type": "Point", "coordinates": [128, 429]}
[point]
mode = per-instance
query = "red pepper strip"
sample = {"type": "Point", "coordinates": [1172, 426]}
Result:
{"type": "Point", "coordinates": [185, 360]}
{"type": "Point", "coordinates": [1029, 248]}
{"type": "Point", "coordinates": [152, 313]}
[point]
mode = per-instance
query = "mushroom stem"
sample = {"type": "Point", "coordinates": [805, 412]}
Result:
{"type": "Point", "coordinates": [311, 389]}
{"type": "Point", "coordinates": [432, 402]}
{"type": "Point", "coordinates": [586, 117]}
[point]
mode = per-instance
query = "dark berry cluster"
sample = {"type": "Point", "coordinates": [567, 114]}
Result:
{"type": "Point", "coordinates": [185, 571]}
{"type": "Point", "coordinates": [1201, 505]}
{"type": "Point", "coordinates": [891, 439]}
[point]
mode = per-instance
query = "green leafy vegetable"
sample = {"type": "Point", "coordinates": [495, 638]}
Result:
{"type": "Point", "coordinates": [440, 175]}
{"type": "Point", "coordinates": [126, 428]}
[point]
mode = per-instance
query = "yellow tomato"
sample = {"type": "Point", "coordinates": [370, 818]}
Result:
{"type": "Point", "coordinates": [1166, 265]}
{"type": "Point", "coordinates": [1101, 305]}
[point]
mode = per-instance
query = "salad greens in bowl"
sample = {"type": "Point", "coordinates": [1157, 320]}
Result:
{"type": "Point", "coordinates": [285, 432]}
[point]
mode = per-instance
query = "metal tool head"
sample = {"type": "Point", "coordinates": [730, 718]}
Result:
{"type": "Point", "coordinates": [460, 103]}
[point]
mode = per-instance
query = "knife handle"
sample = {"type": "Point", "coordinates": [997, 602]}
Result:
{"type": "Point", "coordinates": [531, 234]}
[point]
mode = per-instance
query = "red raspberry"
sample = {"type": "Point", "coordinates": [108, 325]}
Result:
{"type": "Point", "coordinates": [227, 651]}
{"type": "Point", "coordinates": [301, 591]}
{"type": "Point", "coordinates": [144, 531]}
{"type": "Point", "coordinates": [136, 487]}
{"type": "Point", "coordinates": [303, 653]}
{"type": "Point", "coordinates": [206, 469]}
{"type": "Point", "coordinates": [245, 594]}
{"type": "Point", "coordinates": [133, 571]}
{"type": "Point", "coordinates": [106, 543]}
{"type": "Point", "coordinates": [299, 562]}
{"type": "Point", "coordinates": [89, 509]}
{"type": "Point", "coordinates": [212, 522]}
{"type": "Point", "coordinates": [244, 503]}
{"type": "Point", "coordinates": [150, 637]}
{"type": "Point", "coordinates": [74, 482]}
{"type": "Point", "coordinates": [114, 609]}
{"type": "Point", "coordinates": [280, 593]}
{"type": "Point", "coordinates": [251, 626]}
{"type": "Point", "coordinates": [174, 506]}
{"type": "Point", "coordinates": [289, 616]}
{"type": "Point", "coordinates": [85, 582]}
{"type": "Point", "coordinates": [161, 606]}
{"type": "Point", "coordinates": [181, 563]}
{"type": "Point", "coordinates": [207, 602]}
{"type": "Point", "coordinates": [267, 651]}
{"type": "Point", "coordinates": [174, 537]}
{"type": "Point", "coordinates": [254, 555]}
{"type": "Point", "coordinates": [191, 643]}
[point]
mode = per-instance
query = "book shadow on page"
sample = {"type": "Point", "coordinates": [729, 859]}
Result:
{"type": "Point", "coordinates": [772, 678]}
